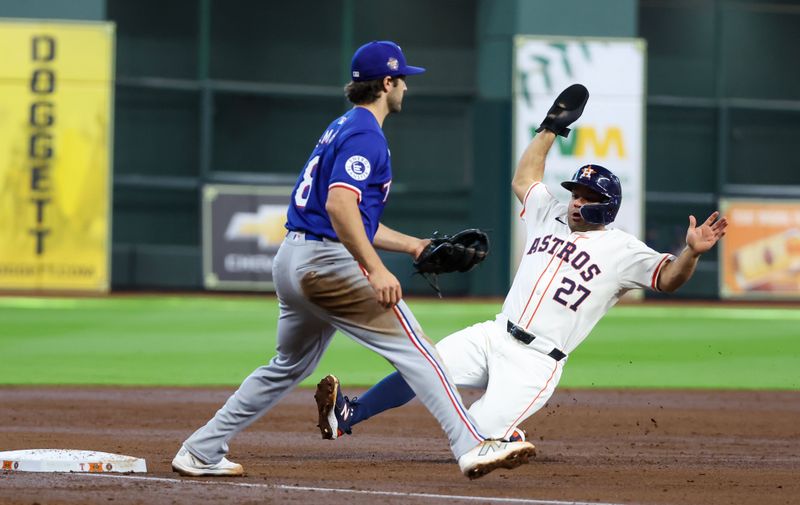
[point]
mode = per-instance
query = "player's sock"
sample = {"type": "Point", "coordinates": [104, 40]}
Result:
{"type": "Point", "coordinates": [393, 391]}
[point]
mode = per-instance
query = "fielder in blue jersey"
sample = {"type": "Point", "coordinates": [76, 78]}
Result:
{"type": "Point", "coordinates": [328, 276]}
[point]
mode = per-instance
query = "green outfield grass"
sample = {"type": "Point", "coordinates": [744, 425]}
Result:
{"type": "Point", "coordinates": [196, 341]}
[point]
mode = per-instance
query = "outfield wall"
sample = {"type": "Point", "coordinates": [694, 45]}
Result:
{"type": "Point", "coordinates": [218, 92]}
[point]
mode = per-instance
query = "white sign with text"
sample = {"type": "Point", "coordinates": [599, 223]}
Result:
{"type": "Point", "coordinates": [609, 133]}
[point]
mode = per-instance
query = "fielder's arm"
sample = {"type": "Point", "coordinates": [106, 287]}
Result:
{"type": "Point", "coordinates": [530, 168]}
{"type": "Point", "coordinates": [699, 239]}
{"type": "Point", "coordinates": [342, 208]}
{"type": "Point", "coordinates": [388, 239]}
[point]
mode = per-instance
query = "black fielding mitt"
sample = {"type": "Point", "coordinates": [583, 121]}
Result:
{"type": "Point", "coordinates": [566, 109]}
{"type": "Point", "coordinates": [446, 254]}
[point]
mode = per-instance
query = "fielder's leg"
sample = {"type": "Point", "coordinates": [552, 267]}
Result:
{"type": "Point", "coordinates": [264, 387]}
{"type": "Point", "coordinates": [302, 339]}
{"type": "Point", "coordinates": [339, 290]}
{"type": "Point", "coordinates": [342, 294]}
{"type": "Point", "coordinates": [481, 458]}
{"type": "Point", "coordinates": [464, 355]}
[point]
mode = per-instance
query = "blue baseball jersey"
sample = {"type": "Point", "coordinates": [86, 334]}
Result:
{"type": "Point", "coordinates": [351, 154]}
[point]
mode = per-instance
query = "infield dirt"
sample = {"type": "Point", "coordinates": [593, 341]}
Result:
{"type": "Point", "coordinates": [645, 447]}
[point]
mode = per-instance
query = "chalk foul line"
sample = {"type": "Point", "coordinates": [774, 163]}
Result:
{"type": "Point", "coordinates": [285, 487]}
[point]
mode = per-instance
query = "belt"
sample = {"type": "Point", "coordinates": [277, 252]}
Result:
{"type": "Point", "coordinates": [526, 338]}
{"type": "Point", "coordinates": [311, 236]}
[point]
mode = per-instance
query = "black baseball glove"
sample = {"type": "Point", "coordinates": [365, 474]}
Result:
{"type": "Point", "coordinates": [445, 254]}
{"type": "Point", "coordinates": [566, 109]}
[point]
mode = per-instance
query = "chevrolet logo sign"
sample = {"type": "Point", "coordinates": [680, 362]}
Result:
{"type": "Point", "coordinates": [265, 225]}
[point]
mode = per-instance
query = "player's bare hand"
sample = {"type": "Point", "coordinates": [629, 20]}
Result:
{"type": "Point", "coordinates": [387, 287]}
{"type": "Point", "coordinates": [702, 238]}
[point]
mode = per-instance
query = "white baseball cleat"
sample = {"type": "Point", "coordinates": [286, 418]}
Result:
{"type": "Point", "coordinates": [186, 464]}
{"type": "Point", "coordinates": [493, 454]}
{"type": "Point", "coordinates": [518, 435]}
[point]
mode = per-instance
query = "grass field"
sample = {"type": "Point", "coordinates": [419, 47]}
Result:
{"type": "Point", "coordinates": [194, 341]}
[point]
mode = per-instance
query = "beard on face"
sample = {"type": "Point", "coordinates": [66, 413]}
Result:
{"type": "Point", "coordinates": [395, 104]}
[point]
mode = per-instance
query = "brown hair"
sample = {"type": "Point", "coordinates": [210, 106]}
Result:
{"type": "Point", "coordinates": [364, 92]}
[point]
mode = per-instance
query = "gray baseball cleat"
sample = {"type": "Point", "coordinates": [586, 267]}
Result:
{"type": "Point", "coordinates": [186, 464]}
{"type": "Point", "coordinates": [490, 455]}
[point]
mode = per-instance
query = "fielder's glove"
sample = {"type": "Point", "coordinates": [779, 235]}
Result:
{"type": "Point", "coordinates": [567, 108]}
{"type": "Point", "coordinates": [445, 254]}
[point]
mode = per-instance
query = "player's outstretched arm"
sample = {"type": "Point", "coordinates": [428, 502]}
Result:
{"type": "Point", "coordinates": [530, 168]}
{"type": "Point", "coordinates": [699, 239]}
{"type": "Point", "coordinates": [566, 109]}
{"type": "Point", "coordinates": [388, 239]}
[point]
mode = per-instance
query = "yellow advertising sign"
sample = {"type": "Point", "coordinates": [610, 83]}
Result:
{"type": "Point", "coordinates": [55, 154]}
{"type": "Point", "coordinates": [761, 250]}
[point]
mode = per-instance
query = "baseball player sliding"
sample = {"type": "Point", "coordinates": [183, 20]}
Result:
{"type": "Point", "coordinates": [574, 269]}
{"type": "Point", "coordinates": [328, 276]}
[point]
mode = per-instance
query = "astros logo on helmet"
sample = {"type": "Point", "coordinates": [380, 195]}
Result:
{"type": "Point", "coordinates": [602, 181]}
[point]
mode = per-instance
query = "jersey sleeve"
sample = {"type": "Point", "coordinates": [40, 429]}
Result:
{"type": "Point", "coordinates": [358, 159]}
{"type": "Point", "coordinates": [539, 206]}
{"type": "Point", "coordinates": [639, 265]}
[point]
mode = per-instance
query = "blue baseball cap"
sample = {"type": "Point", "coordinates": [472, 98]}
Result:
{"type": "Point", "coordinates": [379, 58]}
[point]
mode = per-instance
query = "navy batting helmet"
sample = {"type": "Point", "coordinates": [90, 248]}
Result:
{"type": "Point", "coordinates": [600, 180]}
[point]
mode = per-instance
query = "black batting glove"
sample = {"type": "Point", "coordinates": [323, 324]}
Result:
{"type": "Point", "coordinates": [566, 109]}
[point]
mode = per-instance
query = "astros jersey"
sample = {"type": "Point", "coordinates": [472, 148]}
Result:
{"type": "Point", "coordinates": [567, 281]}
{"type": "Point", "coordinates": [352, 154]}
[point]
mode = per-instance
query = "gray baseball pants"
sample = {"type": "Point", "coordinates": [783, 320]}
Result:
{"type": "Point", "coordinates": [321, 288]}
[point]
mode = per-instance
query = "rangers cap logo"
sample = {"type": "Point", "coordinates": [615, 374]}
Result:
{"type": "Point", "coordinates": [587, 172]}
{"type": "Point", "coordinates": [393, 64]}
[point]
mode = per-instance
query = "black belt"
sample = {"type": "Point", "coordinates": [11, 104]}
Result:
{"type": "Point", "coordinates": [526, 338]}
